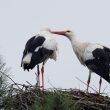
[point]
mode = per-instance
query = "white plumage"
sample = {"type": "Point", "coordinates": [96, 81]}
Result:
{"type": "Point", "coordinates": [95, 56]}
{"type": "Point", "coordinates": [89, 49]}
{"type": "Point", "coordinates": [27, 58]}
{"type": "Point", "coordinates": [39, 49]}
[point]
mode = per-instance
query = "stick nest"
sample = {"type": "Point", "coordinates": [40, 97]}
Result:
{"type": "Point", "coordinates": [24, 97]}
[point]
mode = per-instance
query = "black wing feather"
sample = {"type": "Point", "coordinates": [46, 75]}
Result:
{"type": "Point", "coordinates": [32, 44]}
{"type": "Point", "coordinates": [100, 63]}
{"type": "Point", "coordinates": [37, 56]}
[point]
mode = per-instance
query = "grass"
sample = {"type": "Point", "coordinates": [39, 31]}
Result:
{"type": "Point", "coordinates": [55, 100]}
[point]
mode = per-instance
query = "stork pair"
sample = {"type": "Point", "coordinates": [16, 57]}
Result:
{"type": "Point", "coordinates": [94, 56]}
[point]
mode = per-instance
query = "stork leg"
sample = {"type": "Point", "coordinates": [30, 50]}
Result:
{"type": "Point", "coordinates": [38, 72]}
{"type": "Point", "coordinates": [42, 70]}
{"type": "Point", "coordinates": [88, 81]}
{"type": "Point", "coordinates": [100, 82]}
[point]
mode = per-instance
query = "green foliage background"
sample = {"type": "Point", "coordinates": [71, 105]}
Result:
{"type": "Point", "coordinates": [3, 83]}
{"type": "Point", "coordinates": [55, 101]}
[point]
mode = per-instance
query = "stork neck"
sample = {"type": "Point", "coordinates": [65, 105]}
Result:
{"type": "Point", "coordinates": [74, 41]}
{"type": "Point", "coordinates": [78, 47]}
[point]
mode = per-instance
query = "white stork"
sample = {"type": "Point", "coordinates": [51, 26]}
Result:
{"type": "Point", "coordinates": [95, 56]}
{"type": "Point", "coordinates": [39, 49]}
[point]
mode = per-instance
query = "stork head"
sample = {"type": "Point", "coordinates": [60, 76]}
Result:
{"type": "Point", "coordinates": [69, 34]}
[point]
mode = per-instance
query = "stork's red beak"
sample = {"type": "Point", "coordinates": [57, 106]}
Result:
{"type": "Point", "coordinates": [58, 32]}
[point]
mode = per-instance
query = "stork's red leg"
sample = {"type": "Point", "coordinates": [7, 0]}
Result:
{"type": "Point", "coordinates": [89, 79]}
{"type": "Point", "coordinates": [100, 82]}
{"type": "Point", "coordinates": [38, 72]}
{"type": "Point", "coordinates": [42, 69]}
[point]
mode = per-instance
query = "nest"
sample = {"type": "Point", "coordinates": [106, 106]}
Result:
{"type": "Point", "coordinates": [23, 97]}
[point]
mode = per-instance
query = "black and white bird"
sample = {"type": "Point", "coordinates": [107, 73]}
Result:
{"type": "Point", "coordinates": [39, 49]}
{"type": "Point", "coordinates": [95, 56]}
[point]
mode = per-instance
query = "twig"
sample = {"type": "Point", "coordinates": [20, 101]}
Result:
{"type": "Point", "coordinates": [51, 84]}
{"type": "Point", "coordinates": [10, 79]}
{"type": "Point", "coordinates": [80, 99]}
{"type": "Point", "coordinates": [29, 83]}
{"type": "Point", "coordinates": [95, 87]}
{"type": "Point", "coordinates": [86, 84]}
{"type": "Point", "coordinates": [105, 88]}
{"type": "Point", "coordinates": [89, 103]}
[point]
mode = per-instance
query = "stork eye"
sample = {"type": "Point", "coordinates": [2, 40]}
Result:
{"type": "Point", "coordinates": [68, 31]}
